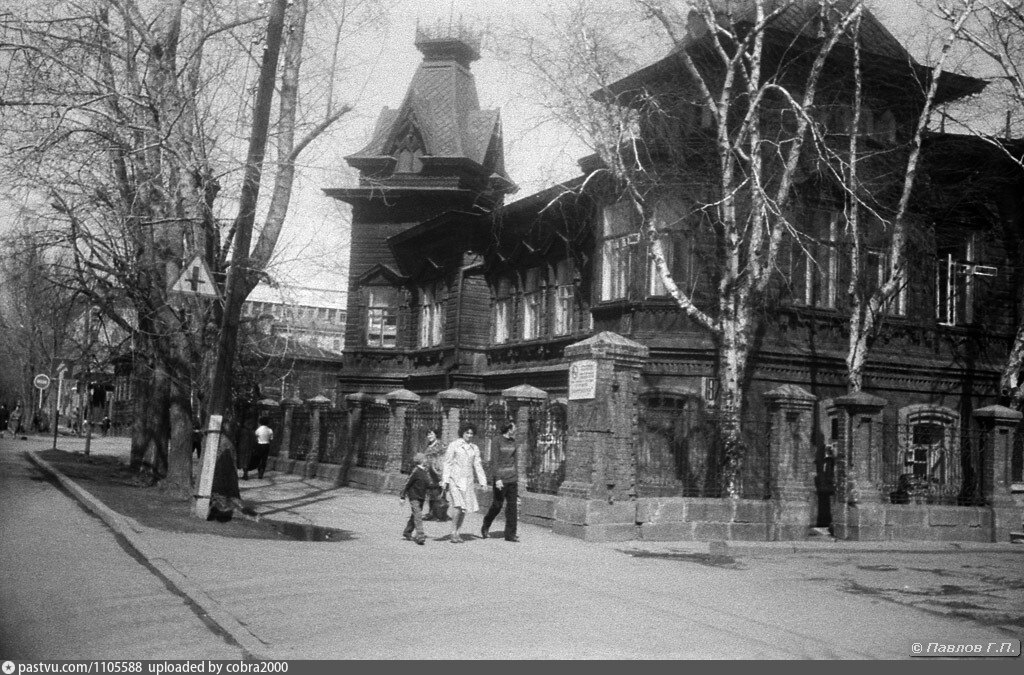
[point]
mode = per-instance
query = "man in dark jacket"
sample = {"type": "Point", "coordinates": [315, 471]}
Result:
{"type": "Point", "coordinates": [505, 473]}
{"type": "Point", "coordinates": [416, 489]}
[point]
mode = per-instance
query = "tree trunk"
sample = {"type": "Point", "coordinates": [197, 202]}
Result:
{"type": "Point", "coordinates": [732, 363]}
{"type": "Point", "coordinates": [239, 272]}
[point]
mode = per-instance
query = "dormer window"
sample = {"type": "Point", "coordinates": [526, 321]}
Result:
{"type": "Point", "coordinates": [408, 151]}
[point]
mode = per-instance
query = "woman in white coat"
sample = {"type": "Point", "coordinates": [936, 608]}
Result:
{"type": "Point", "coordinates": [461, 461]}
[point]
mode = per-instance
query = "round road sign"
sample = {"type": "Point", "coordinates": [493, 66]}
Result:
{"type": "Point", "coordinates": [41, 381]}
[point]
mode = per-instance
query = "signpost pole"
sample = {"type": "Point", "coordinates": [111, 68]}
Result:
{"type": "Point", "coordinates": [40, 382]}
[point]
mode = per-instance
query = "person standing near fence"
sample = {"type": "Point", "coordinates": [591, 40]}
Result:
{"type": "Point", "coordinates": [435, 466]}
{"type": "Point", "coordinates": [461, 461]}
{"type": "Point", "coordinates": [505, 474]}
{"type": "Point", "coordinates": [264, 434]}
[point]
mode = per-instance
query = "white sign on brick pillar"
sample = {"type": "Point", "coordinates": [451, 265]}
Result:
{"type": "Point", "coordinates": [583, 380]}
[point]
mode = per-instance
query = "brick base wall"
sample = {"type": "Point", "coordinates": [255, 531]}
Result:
{"type": "Point", "coordinates": [695, 519]}
{"type": "Point", "coordinates": [919, 522]}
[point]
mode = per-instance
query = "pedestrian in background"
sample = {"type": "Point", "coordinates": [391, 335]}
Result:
{"type": "Point", "coordinates": [435, 466]}
{"type": "Point", "coordinates": [14, 421]}
{"type": "Point", "coordinates": [416, 490]}
{"type": "Point", "coordinates": [461, 461]}
{"type": "Point", "coordinates": [5, 414]}
{"type": "Point", "coordinates": [505, 474]}
{"type": "Point", "coordinates": [105, 425]}
{"type": "Point", "coordinates": [264, 434]}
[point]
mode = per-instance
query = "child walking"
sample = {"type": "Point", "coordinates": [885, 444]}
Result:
{"type": "Point", "coordinates": [416, 489]}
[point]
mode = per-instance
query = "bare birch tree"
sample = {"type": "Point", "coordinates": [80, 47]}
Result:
{"type": "Point", "coordinates": [875, 291]}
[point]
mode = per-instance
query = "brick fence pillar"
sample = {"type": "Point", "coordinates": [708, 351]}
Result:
{"type": "Point", "coordinates": [791, 452]}
{"type": "Point", "coordinates": [997, 424]}
{"type": "Point", "coordinates": [355, 405]}
{"type": "Point", "coordinates": [264, 409]}
{"type": "Point", "coordinates": [316, 405]}
{"type": "Point", "coordinates": [288, 406]}
{"type": "Point", "coordinates": [858, 511]}
{"type": "Point", "coordinates": [452, 403]}
{"type": "Point", "coordinates": [399, 401]}
{"type": "Point", "coordinates": [604, 387]}
{"type": "Point", "coordinates": [518, 401]}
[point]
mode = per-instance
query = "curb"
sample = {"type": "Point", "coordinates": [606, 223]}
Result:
{"type": "Point", "coordinates": [853, 547]}
{"type": "Point", "coordinates": [133, 533]}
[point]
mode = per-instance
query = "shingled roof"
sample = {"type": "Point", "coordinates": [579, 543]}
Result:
{"type": "Point", "coordinates": [810, 19]}
{"type": "Point", "coordinates": [441, 105]}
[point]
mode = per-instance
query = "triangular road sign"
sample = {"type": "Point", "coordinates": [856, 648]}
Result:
{"type": "Point", "coordinates": [195, 280]}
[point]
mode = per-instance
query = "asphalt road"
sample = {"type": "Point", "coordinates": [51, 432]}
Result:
{"type": "Point", "coordinates": [70, 590]}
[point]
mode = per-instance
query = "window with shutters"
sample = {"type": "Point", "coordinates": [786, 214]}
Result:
{"type": "Point", "coordinates": [533, 303]}
{"type": "Point", "coordinates": [619, 250]}
{"type": "Point", "coordinates": [502, 313]}
{"type": "Point", "coordinates": [381, 318]}
{"type": "Point", "coordinates": [814, 262]}
{"type": "Point", "coordinates": [957, 277]}
{"type": "Point", "coordinates": [431, 310]}
{"type": "Point", "coordinates": [565, 300]}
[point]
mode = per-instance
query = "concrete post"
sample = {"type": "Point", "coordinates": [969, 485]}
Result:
{"type": "Point", "coordinates": [399, 401]}
{"type": "Point", "coordinates": [316, 404]}
{"type": "Point", "coordinates": [997, 424]}
{"type": "Point", "coordinates": [791, 415]}
{"type": "Point", "coordinates": [858, 510]}
{"type": "Point", "coordinates": [518, 401]}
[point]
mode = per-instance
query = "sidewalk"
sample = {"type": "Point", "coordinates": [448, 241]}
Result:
{"type": "Point", "coordinates": [367, 593]}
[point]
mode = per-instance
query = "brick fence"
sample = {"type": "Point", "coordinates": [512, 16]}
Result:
{"type": "Point", "coordinates": [609, 464]}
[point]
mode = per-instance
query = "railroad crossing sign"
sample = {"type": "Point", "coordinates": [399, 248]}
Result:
{"type": "Point", "coordinates": [41, 381]}
{"type": "Point", "coordinates": [195, 280]}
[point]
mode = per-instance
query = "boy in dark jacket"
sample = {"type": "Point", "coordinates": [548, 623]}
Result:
{"type": "Point", "coordinates": [416, 489]}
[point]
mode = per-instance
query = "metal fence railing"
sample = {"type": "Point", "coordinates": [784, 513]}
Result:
{"type": "Point", "coordinates": [932, 462]}
{"type": "Point", "coordinates": [545, 448]}
{"type": "Point", "coordinates": [680, 452]}
{"type": "Point", "coordinates": [333, 435]}
{"type": "Point", "coordinates": [372, 436]}
{"type": "Point", "coordinates": [300, 438]}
